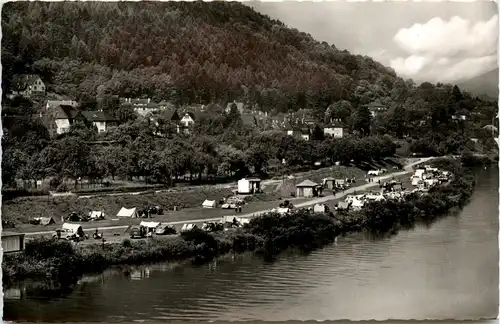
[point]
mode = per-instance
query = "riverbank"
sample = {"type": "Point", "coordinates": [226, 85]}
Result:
{"type": "Point", "coordinates": [268, 233]}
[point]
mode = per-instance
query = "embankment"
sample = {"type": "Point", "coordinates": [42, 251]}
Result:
{"type": "Point", "coordinates": [269, 233]}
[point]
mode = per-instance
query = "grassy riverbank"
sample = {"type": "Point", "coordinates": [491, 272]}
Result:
{"type": "Point", "coordinates": [269, 234]}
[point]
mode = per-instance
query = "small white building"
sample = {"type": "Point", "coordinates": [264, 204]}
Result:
{"type": "Point", "coordinates": [335, 129]}
{"type": "Point", "coordinates": [249, 186]}
{"type": "Point", "coordinates": [12, 242]}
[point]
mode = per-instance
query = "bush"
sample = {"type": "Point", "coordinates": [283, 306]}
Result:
{"type": "Point", "coordinates": [62, 188]}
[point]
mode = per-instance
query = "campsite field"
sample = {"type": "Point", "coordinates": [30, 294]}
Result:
{"type": "Point", "coordinates": [20, 210]}
{"type": "Point", "coordinates": [112, 234]}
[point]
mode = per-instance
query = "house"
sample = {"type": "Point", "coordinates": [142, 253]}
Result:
{"type": "Point", "coordinates": [146, 106]}
{"type": "Point", "coordinates": [62, 117]}
{"type": "Point", "coordinates": [51, 104]}
{"type": "Point", "coordinates": [335, 129]}
{"type": "Point", "coordinates": [303, 133]}
{"type": "Point", "coordinates": [308, 189]}
{"type": "Point", "coordinates": [248, 186]}
{"type": "Point", "coordinates": [100, 119]}
{"type": "Point", "coordinates": [27, 85]}
{"type": "Point", "coordinates": [12, 242]}
{"type": "Point", "coordinates": [376, 107]}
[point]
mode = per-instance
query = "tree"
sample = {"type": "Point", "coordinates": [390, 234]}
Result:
{"type": "Point", "coordinates": [317, 133]}
{"type": "Point", "coordinates": [362, 119]}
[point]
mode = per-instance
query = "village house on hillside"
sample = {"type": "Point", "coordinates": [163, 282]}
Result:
{"type": "Point", "coordinates": [51, 104]}
{"type": "Point", "coordinates": [299, 131]}
{"type": "Point", "coordinates": [335, 129]}
{"type": "Point", "coordinates": [59, 119]}
{"type": "Point", "coordinates": [102, 120]}
{"type": "Point", "coordinates": [376, 107]}
{"type": "Point", "coordinates": [27, 85]}
{"type": "Point", "coordinates": [145, 106]}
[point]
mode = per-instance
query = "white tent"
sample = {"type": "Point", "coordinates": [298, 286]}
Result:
{"type": "Point", "coordinates": [72, 228]}
{"type": "Point", "coordinates": [187, 227]}
{"type": "Point", "coordinates": [320, 208]}
{"type": "Point", "coordinates": [150, 225]}
{"type": "Point", "coordinates": [243, 220]}
{"type": "Point", "coordinates": [96, 214]}
{"type": "Point", "coordinates": [281, 210]}
{"type": "Point", "coordinates": [125, 212]}
{"type": "Point", "coordinates": [209, 204]}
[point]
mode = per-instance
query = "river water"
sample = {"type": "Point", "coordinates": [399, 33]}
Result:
{"type": "Point", "coordinates": [446, 271]}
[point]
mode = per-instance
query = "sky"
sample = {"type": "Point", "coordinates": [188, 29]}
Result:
{"type": "Point", "coordinates": [424, 41]}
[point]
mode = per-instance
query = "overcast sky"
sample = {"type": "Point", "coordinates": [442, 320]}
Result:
{"type": "Point", "coordinates": [433, 41]}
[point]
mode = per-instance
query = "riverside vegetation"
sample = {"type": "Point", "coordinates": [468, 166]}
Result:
{"type": "Point", "coordinates": [267, 234]}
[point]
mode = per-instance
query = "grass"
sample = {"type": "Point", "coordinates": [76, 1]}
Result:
{"type": "Point", "coordinates": [19, 210]}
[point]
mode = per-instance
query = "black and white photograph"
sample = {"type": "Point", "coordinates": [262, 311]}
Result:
{"type": "Point", "coordinates": [249, 161]}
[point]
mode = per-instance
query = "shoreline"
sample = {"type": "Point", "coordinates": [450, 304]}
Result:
{"type": "Point", "coordinates": [301, 229]}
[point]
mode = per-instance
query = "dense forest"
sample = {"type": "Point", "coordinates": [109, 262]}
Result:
{"type": "Point", "coordinates": [207, 53]}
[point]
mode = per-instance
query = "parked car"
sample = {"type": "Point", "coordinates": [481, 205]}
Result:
{"type": "Point", "coordinates": [138, 232]}
{"type": "Point", "coordinates": [212, 226]}
{"type": "Point", "coordinates": [70, 232]}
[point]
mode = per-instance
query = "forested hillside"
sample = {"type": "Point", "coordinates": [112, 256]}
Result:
{"type": "Point", "coordinates": [185, 52]}
{"type": "Point", "coordinates": [208, 53]}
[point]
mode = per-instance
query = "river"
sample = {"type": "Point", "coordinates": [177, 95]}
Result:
{"type": "Point", "coordinates": [446, 271]}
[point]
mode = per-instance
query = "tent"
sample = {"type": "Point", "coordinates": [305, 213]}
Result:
{"type": "Point", "coordinates": [125, 212]}
{"type": "Point", "coordinates": [320, 208]}
{"type": "Point", "coordinates": [188, 227]}
{"type": "Point", "coordinates": [96, 214]}
{"type": "Point", "coordinates": [343, 205]}
{"type": "Point", "coordinates": [209, 204]}
{"type": "Point", "coordinates": [281, 210]}
{"type": "Point", "coordinates": [73, 228]}
{"type": "Point", "coordinates": [45, 221]}
{"type": "Point", "coordinates": [150, 225]}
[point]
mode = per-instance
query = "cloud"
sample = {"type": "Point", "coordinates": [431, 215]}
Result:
{"type": "Point", "coordinates": [447, 50]}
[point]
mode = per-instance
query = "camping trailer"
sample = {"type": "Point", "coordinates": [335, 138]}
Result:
{"type": "Point", "coordinates": [12, 242]}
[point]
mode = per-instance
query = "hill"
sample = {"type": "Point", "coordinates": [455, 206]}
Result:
{"type": "Point", "coordinates": [184, 52]}
{"type": "Point", "coordinates": [483, 85]}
